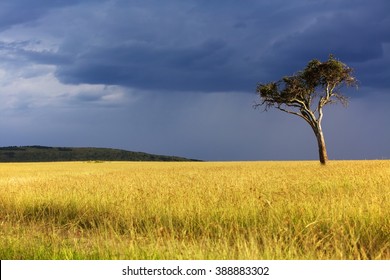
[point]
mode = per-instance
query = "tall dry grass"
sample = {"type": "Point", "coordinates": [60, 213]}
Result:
{"type": "Point", "coordinates": [225, 210]}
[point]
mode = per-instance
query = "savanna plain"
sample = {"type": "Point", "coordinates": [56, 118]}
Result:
{"type": "Point", "coordinates": [195, 210]}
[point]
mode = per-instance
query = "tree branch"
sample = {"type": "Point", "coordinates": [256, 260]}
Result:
{"type": "Point", "coordinates": [305, 114]}
{"type": "Point", "coordinates": [290, 112]}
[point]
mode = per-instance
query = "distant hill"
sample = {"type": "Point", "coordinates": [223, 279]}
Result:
{"type": "Point", "coordinates": [48, 154]}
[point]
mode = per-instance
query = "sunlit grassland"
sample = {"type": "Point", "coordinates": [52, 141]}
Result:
{"type": "Point", "coordinates": [201, 210]}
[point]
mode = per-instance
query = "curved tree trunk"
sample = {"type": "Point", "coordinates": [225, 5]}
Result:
{"type": "Point", "coordinates": [321, 144]}
{"type": "Point", "coordinates": [322, 148]}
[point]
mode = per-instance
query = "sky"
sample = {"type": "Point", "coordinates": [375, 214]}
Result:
{"type": "Point", "coordinates": [179, 78]}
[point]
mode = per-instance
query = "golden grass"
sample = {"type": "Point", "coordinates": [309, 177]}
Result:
{"type": "Point", "coordinates": [209, 210]}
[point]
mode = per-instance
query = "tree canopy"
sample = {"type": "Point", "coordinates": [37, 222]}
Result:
{"type": "Point", "coordinates": [308, 91]}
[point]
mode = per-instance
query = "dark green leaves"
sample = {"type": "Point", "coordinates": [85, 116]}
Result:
{"type": "Point", "coordinates": [318, 80]}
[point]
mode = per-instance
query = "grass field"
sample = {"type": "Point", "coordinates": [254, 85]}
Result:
{"type": "Point", "coordinates": [201, 210]}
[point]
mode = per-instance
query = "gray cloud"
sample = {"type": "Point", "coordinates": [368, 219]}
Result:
{"type": "Point", "coordinates": [356, 34]}
{"type": "Point", "coordinates": [195, 46]}
{"type": "Point", "coordinates": [198, 47]}
{"type": "Point", "coordinates": [20, 11]}
{"type": "Point", "coordinates": [200, 68]}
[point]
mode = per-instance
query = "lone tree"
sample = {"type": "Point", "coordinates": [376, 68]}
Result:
{"type": "Point", "coordinates": [307, 92]}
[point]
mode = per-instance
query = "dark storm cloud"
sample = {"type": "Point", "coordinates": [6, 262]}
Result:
{"type": "Point", "coordinates": [22, 11]}
{"type": "Point", "coordinates": [200, 46]}
{"type": "Point", "coordinates": [167, 47]}
{"type": "Point", "coordinates": [355, 33]}
{"type": "Point", "coordinates": [205, 67]}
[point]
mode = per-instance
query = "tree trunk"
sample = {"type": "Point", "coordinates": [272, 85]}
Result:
{"type": "Point", "coordinates": [321, 144]}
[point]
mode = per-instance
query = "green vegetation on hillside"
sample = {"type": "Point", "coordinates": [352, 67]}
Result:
{"type": "Point", "coordinates": [48, 154]}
